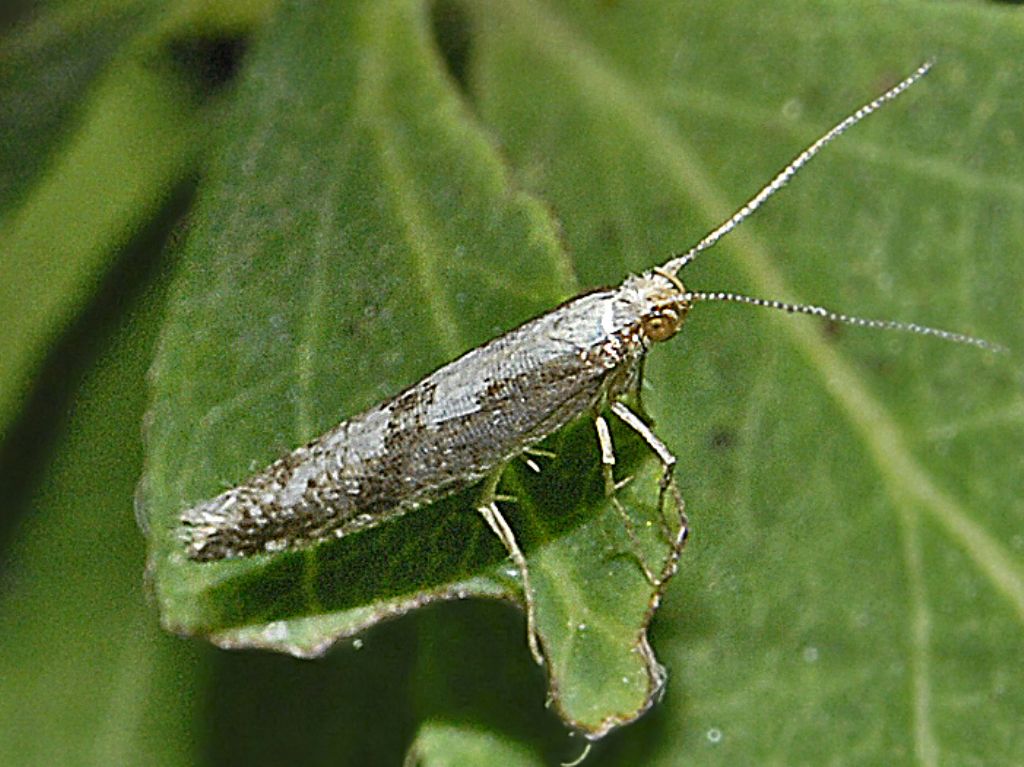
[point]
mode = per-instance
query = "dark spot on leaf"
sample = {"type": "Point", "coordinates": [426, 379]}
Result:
{"type": "Point", "coordinates": [831, 330]}
{"type": "Point", "coordinates": [722, 438]}
{"type": "Point", "coordinates": [608, 233]}
{"type": "Point", "coordinates": [208, 63]}
{"type": "Point", "coordinates": [453, 34]}
{"type": "Point", "coordinates": [666, 210]}
{"type": "Point", "coordinates": [884, 366]}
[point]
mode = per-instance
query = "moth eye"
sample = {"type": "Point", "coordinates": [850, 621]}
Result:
{"type": "Point", "coordinates": [661, 327]}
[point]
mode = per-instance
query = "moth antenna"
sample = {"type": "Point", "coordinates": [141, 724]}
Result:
{"type": "Point", "coordinates": [678, 261]}
{"type": "Point", "coordinates": [845, 319]}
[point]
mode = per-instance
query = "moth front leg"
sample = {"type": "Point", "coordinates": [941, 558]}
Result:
{"type": "Point", "coordinates": [667, 485]}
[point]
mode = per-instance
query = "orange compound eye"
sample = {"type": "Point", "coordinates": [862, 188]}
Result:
{"type": "Point", "coordinates": [661, 326]}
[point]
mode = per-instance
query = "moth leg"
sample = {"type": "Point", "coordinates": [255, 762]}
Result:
{"type": "Point", "coordinates": [530, 452]}
{"type": "Point", "coordinates": [604, 439]}
{"type": "Point", "coordinates": [638, 388]}
{"type": "Point", "coordinates": [531, 464]}
{"type": "Point", "coordinates": [666, 485]}
{"type": "Point", "coordinates": [488, 509]}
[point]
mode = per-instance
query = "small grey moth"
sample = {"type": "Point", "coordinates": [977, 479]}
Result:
{"type": "Point", "coordinates": [463, 423]}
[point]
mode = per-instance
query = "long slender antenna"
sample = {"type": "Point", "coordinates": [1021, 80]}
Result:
{"type": "Point", "coordinates": [679, 261]}
{"type": "Point", "coordinates": [860, 322]}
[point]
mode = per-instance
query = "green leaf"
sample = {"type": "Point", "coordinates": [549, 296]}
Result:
{"type": "Point", "coordinates": [134, 143]}
{"type": "Point", "coordinates": [86, 674]}
{"type": "Point", "coordinates": [440, 744]}
{"type": "Point", "coordinates": [48, 62]}
{"type": "Point", "coordinates": [855, 588]}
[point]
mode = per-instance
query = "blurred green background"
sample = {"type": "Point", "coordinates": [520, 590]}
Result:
{"type": "Point", "coordinates": [854, 591]}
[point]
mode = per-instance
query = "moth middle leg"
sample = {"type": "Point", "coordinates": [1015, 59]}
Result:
{"type": "Point", "coordinates": [667, 490]}
{"type": "Point", "coordinates": [611, 488]}
{"type": "Point", "coordinates": [488, 509]}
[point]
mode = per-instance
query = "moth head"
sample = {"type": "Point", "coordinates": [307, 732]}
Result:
{"type": "Point", "coordinates": [668, 305]}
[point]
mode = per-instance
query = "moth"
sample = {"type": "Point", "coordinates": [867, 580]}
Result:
{"type": "Point", "coordinates": [463, 423]}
